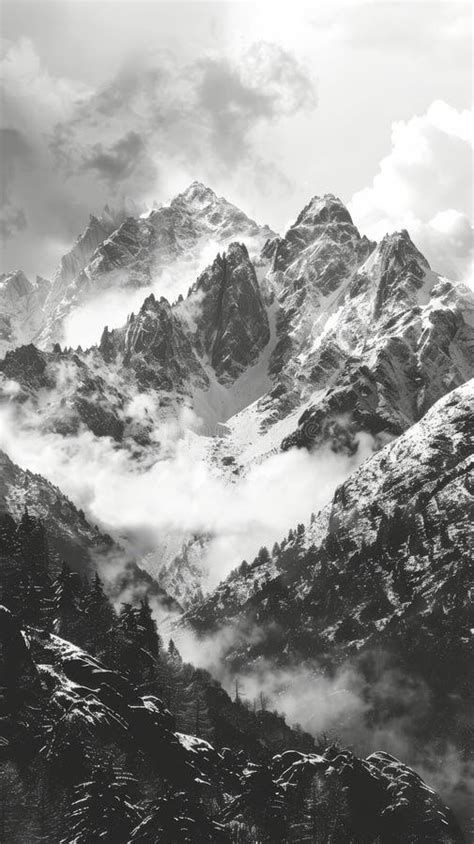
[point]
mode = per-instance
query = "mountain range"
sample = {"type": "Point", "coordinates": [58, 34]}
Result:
{"type": "Point", "coordinates": [317, 342]}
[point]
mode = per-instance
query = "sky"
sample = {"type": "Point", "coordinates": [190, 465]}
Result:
{"type": "Point", "coordinates": [268, 103]}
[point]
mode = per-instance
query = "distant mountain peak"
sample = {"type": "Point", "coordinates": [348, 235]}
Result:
{"type": "Point", "coordinates": [398, 246]}
{"type": "Point", "coordinates": [322, 210]}
{"type": "Point", "coordinates": [324, 220]}
{"type": "Point", "coordinates": [197, 191]}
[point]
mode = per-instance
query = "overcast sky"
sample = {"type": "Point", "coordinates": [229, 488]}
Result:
{"type": "Point", "coordinates": [268, 103]}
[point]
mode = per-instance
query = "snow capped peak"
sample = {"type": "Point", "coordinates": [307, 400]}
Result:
{"type": "Point", "coordinates": [322, 210]}
{"type": "Point", "coordinates": [396, 252]}
{"type": "Point", "coordinates": [398, 248]}
{"type": "Point", "coordinates": [324, 223]}
{"type": "Point", "coordinates": [197, 193]}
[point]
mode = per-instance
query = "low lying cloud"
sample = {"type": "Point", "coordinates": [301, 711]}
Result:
{"type": "Point", "coordinates": [423, 185]}
{"type": "Point", "coordinates": [111, 307]}
{"type": "Point", "coordinates": [183, 493]}
{"type": "Point", "coordinates": [368, 703]}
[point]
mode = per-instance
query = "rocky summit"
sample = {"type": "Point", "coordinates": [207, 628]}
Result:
{"type": "Point", "coordinates": [312, 359]}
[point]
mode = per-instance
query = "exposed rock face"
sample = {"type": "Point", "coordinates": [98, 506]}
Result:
{"type": "Point", "coordinates": [26, 365]}
{"type": "Point", "coordinates": [324, 219]}
{"type": "Point", "coordinates": [386, 341]}
{"type": "Point", "coordinates": [364, 337]}
{"type": "Point", "coordinates": [231, 320]}
{"type": "Point", "coordinates": [21, 308]}
{"type": "Point", "coordinates": [122, 249]}
{"type": "Point", "coordinates": [64, 292]}
{"type": "Point", "coordinates": [154, 343]}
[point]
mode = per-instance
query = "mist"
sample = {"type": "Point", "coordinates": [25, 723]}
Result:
{"type": "Point", "coordinates": [181, 493]}
{"type": "Point", "coordinates": [84, 325]}
{"type": "Point", "coordinates": [383, 708]}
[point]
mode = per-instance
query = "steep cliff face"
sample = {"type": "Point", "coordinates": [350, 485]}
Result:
{"type": "Point", "coordinates": [155, 349]}
{"type": "Point", "coordinates": [65, 291]}
{"type": "Point", "coordinates": [21, 308]}
{"type": "Point", "coordinates": [368, 337]}
{"type": "Point", "coordinates": [125, 249]}
{"type": "Point", "coordinates": [400, 338]}
{"type": "Point", "coordinates": [232, 326]}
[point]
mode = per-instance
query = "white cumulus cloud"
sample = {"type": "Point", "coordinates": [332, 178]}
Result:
{"type": "Point", "coordinates": [423, 185]}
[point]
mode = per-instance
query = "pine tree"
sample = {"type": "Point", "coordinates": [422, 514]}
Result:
{"type": "Point", "coordinates": [128, 646]}
{"type": "Point", "coordinates": [263, 555]}
{"type": "Point", "coordinates": [66, 614]}
{"type": "Point", "coordinates": [175, 817]}
{"type": "Point", "coordinates": [173, 653]}
{"type": "Point", "coordinates": [147, 628]}
{"type": "Point", "coordinates": [103, 808]}
{"type": "Point", "coordinates": [101, 620]}
{"type": "Point", "coordinates": [33, 544]}
{"type": "Point", "coordinates": [192, 711]}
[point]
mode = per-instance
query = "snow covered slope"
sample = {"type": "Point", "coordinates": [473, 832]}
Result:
{"type": "Point", "coordinates": [409, 502]}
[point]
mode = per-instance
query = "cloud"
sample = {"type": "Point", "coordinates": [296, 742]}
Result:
{"type": "Point", "coordinates": [268, 84]}
{"type": "Point", "coordinates": [181, 493]}
{"type": "Point", "coordinates": [158, 123]}
{"type": "Point", "coordinates": [423, 185]}
{"type": "Point", "coordinates": [408, 28]}
{"type": "Point", "coordinates": [117, 162]}
{"type": "Point", "coordinates": [84, 325]}
{"type": "Point", "coordinates": [202, 113]}
{"type": "Point", "coordinates": [34, 192]}
{"type": "Point", "coordinates": [16, 155]}
{"type": "Point", "coordinates": [12, 220]}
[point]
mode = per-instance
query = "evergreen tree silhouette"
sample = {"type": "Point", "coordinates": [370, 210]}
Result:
{"type": "Point", "coordinates": [103, 808]}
